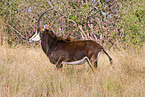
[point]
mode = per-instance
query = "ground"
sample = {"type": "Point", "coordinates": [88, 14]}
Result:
{"type": "Point", "coordinates": [27, 72]}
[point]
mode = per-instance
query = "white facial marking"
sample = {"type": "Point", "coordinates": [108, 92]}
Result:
{"type": "Point", "coordinates": [35, 37]}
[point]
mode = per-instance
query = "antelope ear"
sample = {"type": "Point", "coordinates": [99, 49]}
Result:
{"type": "Point", "coordinates": [41, 29]}
{"type": "Point", "coordinates": [46, 26]}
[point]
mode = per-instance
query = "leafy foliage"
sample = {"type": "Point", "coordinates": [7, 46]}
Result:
{"type": "Point", "coordinates": [133, 22]}
{"type": "Point", "coordinates": [107, 21]}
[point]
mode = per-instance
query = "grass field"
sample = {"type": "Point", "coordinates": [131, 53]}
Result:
{"type": "Point", "coordinates": [27, 72]}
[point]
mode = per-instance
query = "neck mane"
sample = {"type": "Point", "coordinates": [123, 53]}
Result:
{"type": "Point", "coordinates": [48, 41]}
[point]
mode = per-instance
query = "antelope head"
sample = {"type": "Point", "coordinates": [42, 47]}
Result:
{"type": "Point", "coordinates": [36, 36]}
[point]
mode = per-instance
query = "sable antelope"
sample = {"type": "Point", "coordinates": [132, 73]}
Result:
{"type": "Point", "coordinates": [61, 51]}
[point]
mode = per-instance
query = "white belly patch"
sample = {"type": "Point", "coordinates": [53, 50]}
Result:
{"type": "Point", "coordinates": [78, 62]}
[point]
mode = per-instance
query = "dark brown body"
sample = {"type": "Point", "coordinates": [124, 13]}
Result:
{"type": "Point", "coordinates": [65, 51]}
{"type": "Point", "coordinates": [60, 50]}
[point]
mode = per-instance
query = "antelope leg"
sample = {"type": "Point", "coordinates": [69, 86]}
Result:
{"type": "Point", "coordinates": [87, 59]}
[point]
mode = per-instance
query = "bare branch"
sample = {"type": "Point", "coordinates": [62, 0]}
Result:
{"type": "Point", "coordinates": [17, 31]}
{"type": "Point", "coordinates": [91, 27]}
{"type": "Point", "coordinates": [49, 2]}
{"type": "Point", "coordinates": [83, 33]}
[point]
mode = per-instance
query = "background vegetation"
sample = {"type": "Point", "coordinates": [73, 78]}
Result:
{"type": "Point", "coordinates": [110, 22]}
{"type": "Point", "coordinates": [116, 24]}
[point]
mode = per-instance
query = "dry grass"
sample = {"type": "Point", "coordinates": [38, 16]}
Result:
{"type": "Point", "coordinates": [27, 72]}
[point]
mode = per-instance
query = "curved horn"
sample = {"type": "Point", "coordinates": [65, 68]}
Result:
{"type": "Point", "coordinates": [40, 18]}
